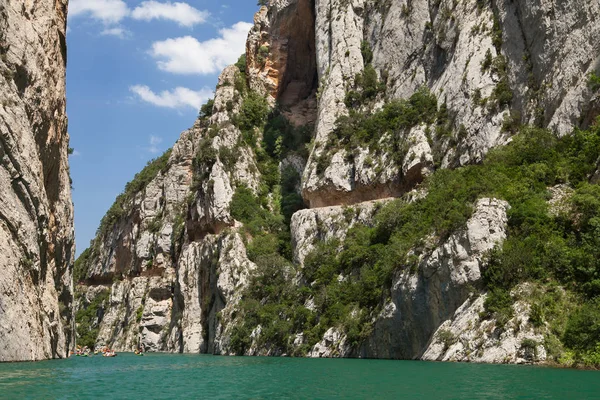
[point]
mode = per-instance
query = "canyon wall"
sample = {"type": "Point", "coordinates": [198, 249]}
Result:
{"type": "Point", "coordinates": [181, 260]}
{"type": "Point", "coordinates": [36, 212]}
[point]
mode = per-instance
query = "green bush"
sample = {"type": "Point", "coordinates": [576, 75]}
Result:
{"type": "Point", "coordinates": [594, 81]}
{"type": "Point", "coordinates": [253, 113]}
{"type": "Point", "coordinates": [350, 281]}
{"type": "Point", "coordinates": [357, 129]}
{"type": "Point", "coordinates": [88, 321]}
{"type": "Point", "coordinates": [121, 205]}
{"type": "Point", "coordinates": [583, 327]}
{"type": "Point", "coordinates": [207, 109]}
{"type": "Point", "coordinates": [241, 63]}
{"type": "Point", "coordinates": [367, 53]}
{"type": "Point", "coordinates": [498, 305]}
{"type": "Point", "coordinates": [82, 265]}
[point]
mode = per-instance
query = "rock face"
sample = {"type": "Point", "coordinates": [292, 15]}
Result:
{"type": "Point", "coordinates": [178, 263]}
{"type": "Point", "coordinates": [539, 56]}
{"type": "Point", "coordinates": [36, 212]}
{"type": "Point", "coordinates": [172, 260]}
{"type": "Point", "coordinates": [466, 337]}
{"type": "Point", "coordinates": [446, 277]}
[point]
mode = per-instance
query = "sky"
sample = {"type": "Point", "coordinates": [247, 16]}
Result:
{"type": "Point", "coordinates": [137, 74]}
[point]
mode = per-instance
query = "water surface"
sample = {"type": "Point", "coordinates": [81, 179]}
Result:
{"type": "Point", "coordinates": [169, 376]}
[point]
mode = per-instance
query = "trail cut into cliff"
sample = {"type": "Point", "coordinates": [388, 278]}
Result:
{"type": "Point", "coordinates": [372, 179]}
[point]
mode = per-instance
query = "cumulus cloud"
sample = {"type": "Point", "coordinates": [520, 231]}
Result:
{"type": "Point", "coordinates": [118, 32]}
{"type": "Point", "coordinates": [182, 13]}
{"type": "Point", "coordinates": [107, 11]}
{"type": "Point", "coordinates": [186, 55]}
{"type": "Point", "coordinates": [177, 98]}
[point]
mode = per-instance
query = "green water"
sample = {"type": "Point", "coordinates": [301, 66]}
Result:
{"type": "Point", "coordinates": [160, 376]}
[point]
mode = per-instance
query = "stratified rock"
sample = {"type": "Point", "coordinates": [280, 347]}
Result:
{"type": "Point", "coordinates": [36, 212]}
{"type": "Point", "coordinates": [176, 260]}
{"type": "Point", "coordinates": [445, 278]}
{"type": "Point", "coordinates": [467, 336]}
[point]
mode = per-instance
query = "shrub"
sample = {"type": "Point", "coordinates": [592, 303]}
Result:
{"type": "Point", "coordinates": [253, 113]}
{"type": "Point", "coordinates": [356, 129]}
{"type": "Point", "coordinates": [498, 305]}
{"type": "Point", "coordinates": [447, 338]}
{"type": "Point", "coordinates": [530, 346]}
{"type": "Point", "coordinates": [583, 327]}
{"type": "Point", "coordinates": [81, 266]}
{"type": "Point", "coordinates": [207, 109]}
{"type": "Point", "coordinates": [367, 53]}
{"type": "Point", "coordinates": [88, 318]}
{"type": "Point", "coordinates": [139, 313]}
{"type": "Point", "coordinates": [594, 81]}
{"type": "Point", "coordinates": [120, 207]}
{"type": "Point", "coordinates": [487, 61]}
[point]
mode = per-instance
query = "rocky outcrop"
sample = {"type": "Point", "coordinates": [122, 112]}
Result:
{"type": "Point", "coordinates": [171, 283]}
{"type": "Point", "coordinates": [469, 338]}
{"type": "Point", "coordinates": [489, 63]}
{"type": "Point", "coordinates": [36, 212]}
{"type": "Point", "coordinates": [422, 300]}
{"type": "Point", "coordinates": [312, 226]}
{"type": "Point", "coordinates": [459, 78]}
{"type": "Point", "coordinates": [445, 278]}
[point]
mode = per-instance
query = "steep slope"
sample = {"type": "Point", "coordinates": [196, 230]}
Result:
{"type": "Point", "coordinates": [36, 212]}
{"type": "Point", "coordinates": [342, 196]}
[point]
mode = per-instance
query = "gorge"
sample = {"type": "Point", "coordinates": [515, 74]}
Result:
{"type": "Point", "coordinates": [373, 179]}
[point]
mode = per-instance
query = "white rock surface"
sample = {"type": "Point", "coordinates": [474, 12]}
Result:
{"type": "Point", "coordinates": [36, 212]}
{"type": "Point", "coordinates": [445, 278]}
{"type": "Point", "coordinates": [550, 50]}
{"type": "Point", "coordinates": [468, 337]}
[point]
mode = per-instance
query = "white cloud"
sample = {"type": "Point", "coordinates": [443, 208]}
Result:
{"type": "Point", "coordinates": [118, 32]}
{"type": "Point", "coordinates": [182, 13]}
{"type": "Point", "coordinates": [154, 142]}
{"type": "Point", "coordinates": [107, 11]}
{"type": "Point", "coordinates": [177, 98]}
{"type": "Point", "coordinates": [186, 55]}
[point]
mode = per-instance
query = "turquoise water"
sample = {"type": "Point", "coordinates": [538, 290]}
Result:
{"type": "Point", "coordinates": [162, 376]}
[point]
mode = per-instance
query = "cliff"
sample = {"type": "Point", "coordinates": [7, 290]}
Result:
{"type": "Point", "coordinates": [359, 187]}
{"type": "Point", "coordinates": [36, 212]}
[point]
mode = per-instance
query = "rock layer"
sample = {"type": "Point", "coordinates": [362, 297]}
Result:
{"type": "Point", "coordinates": [36, 213]}
{"type": "Point", "coordinates": [176, 261]}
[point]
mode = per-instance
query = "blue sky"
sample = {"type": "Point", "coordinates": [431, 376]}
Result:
{"type": "Point", "coordinates": [137, 73]}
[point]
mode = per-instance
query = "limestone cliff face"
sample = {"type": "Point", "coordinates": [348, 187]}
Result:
{"type": "Point", "coordinates": [36, 212]}
{"type": "Point", "coordinates": [539, 55]}
{"type": "Point", "coordinates": [171, 260]}
{"type": "Point", "coordinates": [176, 262]}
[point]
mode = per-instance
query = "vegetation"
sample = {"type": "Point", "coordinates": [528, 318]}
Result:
{"type": "Point", "coordinates": [87, 318]}
{"type": "Point", "coordinates": [594, 81]}
{"type": "Point", "coordinates": [81, 265]}
{"type": "Point", "coordinates": [366, 83]}
{"type": "Point", "coordinates": [273, 138]}
{"type": "Point", "coordinates": [366, 130]}
{"type": "Point", "coordinates": [348, 282]}
{"type": "Point", "coordinates": [207, 109]}
{"type": "Point", "coordinates": [121, 207]}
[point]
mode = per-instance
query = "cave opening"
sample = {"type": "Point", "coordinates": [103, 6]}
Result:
{"type": "Point", "coordinates": [299, 81]}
